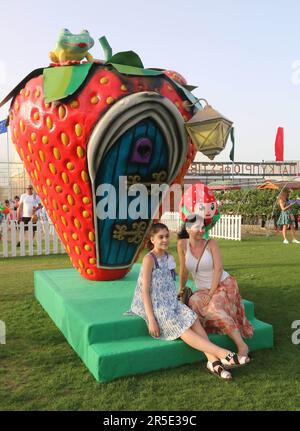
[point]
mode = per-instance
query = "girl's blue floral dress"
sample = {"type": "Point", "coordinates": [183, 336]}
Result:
{"type": "Point", "coordinates": [173, 317]}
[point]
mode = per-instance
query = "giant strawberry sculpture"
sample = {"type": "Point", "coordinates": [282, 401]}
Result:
{"type": "Point", "coordinates": [79, 126]}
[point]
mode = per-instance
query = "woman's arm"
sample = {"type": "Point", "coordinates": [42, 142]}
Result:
{"type": "Point", "coordinates": [183, 272]}
{"type": "Point", "coordinates": [218, 266]}
{"type": "Point", "coordinates": [146, 298]}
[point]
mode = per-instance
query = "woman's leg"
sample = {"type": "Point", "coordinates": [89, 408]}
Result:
{"type": "Point", "coordinates": [242, 347]}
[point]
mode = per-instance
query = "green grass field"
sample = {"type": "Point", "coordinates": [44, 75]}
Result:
{"type": "Point", "coordinates": [40, 371]}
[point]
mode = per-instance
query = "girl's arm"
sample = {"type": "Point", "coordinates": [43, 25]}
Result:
{"type": "Point", "coordinates": [282, 207]}
{"type": "Point", "coordinates": [218, 266]}
{"type": "Point", "coordinates": [146, 298]}
{"type": "Point", "coordinates": [183, 272]}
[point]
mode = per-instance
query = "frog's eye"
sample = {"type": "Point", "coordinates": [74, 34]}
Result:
{"type": "Point", "coordinates": [84, 32]}
{"type": "Point", "coordinates": [65, 31]}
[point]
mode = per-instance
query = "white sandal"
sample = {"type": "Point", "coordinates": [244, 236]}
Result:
{"type": "Point", "coordinates": [238, 361]}
{"type": "Point", "coordinates": [218, 370]}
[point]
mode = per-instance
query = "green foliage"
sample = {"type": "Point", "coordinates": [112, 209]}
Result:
{"type": "Point", "coordinates": [252, 204]}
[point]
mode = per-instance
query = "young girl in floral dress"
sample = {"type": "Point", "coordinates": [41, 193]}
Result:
{"type": "Point", "coordinates": [155, 300]}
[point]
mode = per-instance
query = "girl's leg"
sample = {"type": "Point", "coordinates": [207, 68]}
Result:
{"type": "Point", "coordinates": [198, 328]}
{"type": "Point", "coordinates": [293, 230]}
{"type": "Point", "coordinates": [284, 231]}
{"type": "Point", "coordinates": [201, 343]}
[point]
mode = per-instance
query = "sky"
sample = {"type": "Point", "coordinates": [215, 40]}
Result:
{"type": "Point", "coordinates": [243, 56]}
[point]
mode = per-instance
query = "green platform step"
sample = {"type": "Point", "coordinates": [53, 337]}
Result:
{"type": "Point", "coordinates": [90, 315]}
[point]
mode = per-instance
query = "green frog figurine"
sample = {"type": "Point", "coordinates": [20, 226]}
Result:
{"type": "Point", "coordinates": [72, 48]}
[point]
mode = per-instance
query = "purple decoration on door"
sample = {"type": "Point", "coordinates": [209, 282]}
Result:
{"type": "Point", "coordinates": [142, 151]}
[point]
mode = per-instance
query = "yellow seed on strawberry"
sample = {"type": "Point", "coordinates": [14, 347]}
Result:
{"type": "Point", "coordinates": [104, 80]}
{"type": "Point", "coordinates": [42, 155]}
{"type": "Point", "coordinates": [75, 236]}
{"type": "Point", "coordinates": [45, 190]}
{"type": "Point", "coordinates": [110, 100]}
{"type": "Point", "coordinates": [78, 130]}
{"type": "Point", "coordinates": [61, 112]}
{"type": "Point", "coordinates": [48, 182]}
{"type": "Point", "coordinates": [94, 100]}
{"type": "Point", "coordinates": [81, 264]}
{"type": "Point", "coordinates": [63, 220]}
{"type": "Point", "coordinates": [89, 271]}
{"type": "Point", "coordinates": [77, 250]}
{"type": "Point", "coordinates": [70, 166]}
{"type": "Point", "coordinates": [85, 214]}
{"type": "Point", "coordinates": [77, 223]}
{"type": "Point", "coordinates": [91, 236]}
{"type": "Point", "coordinates": [65, 236]}
{"type": "Point", "coordinates": [68, 248]}
{"type": "Point", "coordinates": [47, 105]}
{"type": "Point", "coordinates": [15, 133]}
{"type": "Point", "coordinates": [17, 106]}
{"type": "Point", "coordinates": [124, 88]}
{"type": "Point", "coordinates": [38, 165]}
{"type": "Point", "coordinates": [49, 122]}
{"type": "Point", "coordinates": [80, 152]}
{"type": "Point", "coordinates": [85, 176]}
{"type": "Point", "coordinates": [37, 93]}
{"type": "Point", "coordinates": [74, 104]}
{"type": "Point", "coordinates": [28, 158]}
{"type": "Point", "coordinates": [54, 204]}
{"type": "Point", "coordinates": [65, 208]}
{"type": "Point", "coordinates": [76, 189]}
{"type": "Point", "coordinates": [70, 199]}
{"type": "Point", "coordinates": [92, 260]}
{"type": "Point", "coordinates": [29, 147]}
{"type": "Point", "coordinates": [64, 139]}
{"type": "Point", "coordinates": [87, 247]}
{"type": "Point", "coordinates": [45, 140]}
{"type": "Point", "coordinates": [56, 153]}
{"type": "Point", "coordinates": [22, 126]}
{"type": "Point", "coordinates": [85, 200]}
{"type": "Point", "coordinates": [36, 175]}
{"type": "Point", "coordinates": [65, 178]}
{"type": "Point", "coordinates": [58, 189]}
{"type": "Point", "coordinates": [27, 93]}
{"type": "Point", "coordinates": [36, 116]}
{"type": "Point", "coordinates": [33, 137]}
{"type": "Point", "coordinates": [52, 168]}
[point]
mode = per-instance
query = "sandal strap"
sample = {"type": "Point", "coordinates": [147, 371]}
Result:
{"type": "Point", "coordinates": [233, 356]}
{"type": "Point", "coordinates": [220, 368]}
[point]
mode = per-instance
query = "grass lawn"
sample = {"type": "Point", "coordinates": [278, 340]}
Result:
{"type": "Point", "coordinates": [40, 371]}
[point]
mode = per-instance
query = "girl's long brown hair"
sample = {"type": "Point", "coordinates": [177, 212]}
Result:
{"type": "Point", "coordinates": [155, 228]}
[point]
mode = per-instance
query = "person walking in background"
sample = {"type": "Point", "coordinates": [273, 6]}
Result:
{"type": "Point", "coordinates": [29, 204]}
{"type": "Point", "coordinates": [286, 218]}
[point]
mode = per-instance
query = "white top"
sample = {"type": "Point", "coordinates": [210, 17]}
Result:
{"type": "Point", "coordinates": [204, 276]}
{"type": "Point", "coordinates": [29, 201]}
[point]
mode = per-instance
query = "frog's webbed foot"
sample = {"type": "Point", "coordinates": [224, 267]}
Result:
{"type": "Point", "coordinates": [53, 57]}
{"type": "Point", "coordinates": [89, 57]}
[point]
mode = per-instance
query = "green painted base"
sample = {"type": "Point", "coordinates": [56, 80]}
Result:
{"type": "Point", "coordinates": [90, 315]}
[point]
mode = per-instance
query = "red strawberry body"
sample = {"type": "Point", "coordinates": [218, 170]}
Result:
{"type": "Point", "coordinates": [51, 139]}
